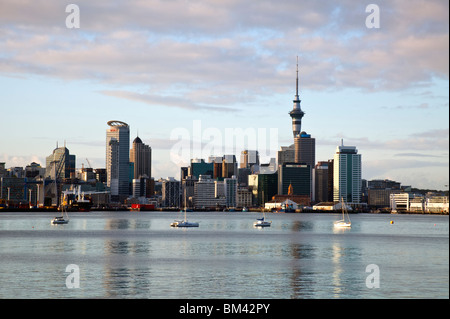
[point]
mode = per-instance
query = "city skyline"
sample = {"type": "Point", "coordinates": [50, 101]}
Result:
{"type": "Point", "coordinates": [229, 65]}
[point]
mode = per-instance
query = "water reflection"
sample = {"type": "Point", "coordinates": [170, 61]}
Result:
{"type": "Point", "coordinates": [302, 225]}
{"type": "Point", "coordinates": [127, 224]}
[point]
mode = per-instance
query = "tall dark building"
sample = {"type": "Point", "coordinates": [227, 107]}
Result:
{"type": "Point", "coordinates": [321, 182]}
{"type": "Point", "coordinates": [296, 175]}
{"type": "Point", "coordinates": [305, 149]}
{"type": "Point", "coordinates": [141, 156]}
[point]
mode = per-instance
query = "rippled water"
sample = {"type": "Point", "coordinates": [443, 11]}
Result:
{"type": "Point", "coordinates": [137, 255]}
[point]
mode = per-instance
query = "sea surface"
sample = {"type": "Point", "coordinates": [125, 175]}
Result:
{"type": "Point", "coordinates": [138, 255]}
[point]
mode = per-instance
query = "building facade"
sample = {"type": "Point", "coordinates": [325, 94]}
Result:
{"type": "Point", "coordinates": [118, 160]}
{"type": "Point", "coordinates": [298, 176]}
{"type": "Point", "coordinates": [141, 156]}
{"type": "Point", "coordinates": [170, 192]}
{"type": "Point", "coordinates": [347, 175]}
{"type": "Point", "coordinates": [60, 164]}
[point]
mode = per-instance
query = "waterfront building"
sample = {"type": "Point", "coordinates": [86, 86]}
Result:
{"type": "Point", "coordinates": [187, 191]}
{"type": "Point", "coordinates": [263, 187]}
{"type": "Point", "coordinates": [204, 193]}
{"type": "Point", "coordinates": [141, 156]}
{"type": "Point", "coordinates": [244, 197]}
{"type": "Point", "coordinates": [118, 159]}
{"type": "Point", "coordinates": [347, 174]}
{"type": "Point", "coordinates": [320, 178]}
{"type": "Point", "coordinates": [437, 204]}
{"type": "Point", "coordinates": [295, 176]}
{"type": "Point", "coordinates": [60, 164]}
{"type": "Point", "coordinates": [230, 188]}
{"type": "Point", "coordinates": [379, 192]}
{"type": "Point", "coordinates": [400, 201]}
{"type": "Point", "coordinates": [170, 192]}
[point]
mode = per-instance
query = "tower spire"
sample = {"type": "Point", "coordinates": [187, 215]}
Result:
{"type": "Point", "coordinates": [296, 113]}
{"type": "Point", "coordinates": [296, 86]}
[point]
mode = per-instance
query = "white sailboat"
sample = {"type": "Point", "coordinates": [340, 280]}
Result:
{"type": "Point", "coordinates": [183, 223]}
{"type": "Point", "coordinates": [60, 219]}
{"type": "Point", "coordinates": [261, 222]}
{"type": "Point", "coordinates": [345, 222]}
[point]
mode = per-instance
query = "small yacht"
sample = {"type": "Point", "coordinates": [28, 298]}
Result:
{"type": "Point", "coordinates": [59, 220]}
{"type": "Point", "coordinates": [345, 221]}
{"type": "Point", "coordinates": [183, 223]}
{"type": "Point", "coordinates": [261, 222]}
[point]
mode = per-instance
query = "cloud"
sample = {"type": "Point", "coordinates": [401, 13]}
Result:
{"type": "Point", "coordinates": [235, 49]}
{"type": "Point", "coordinates": [415, 155]}
{"type": "Point", "coordinates": [169, 101]}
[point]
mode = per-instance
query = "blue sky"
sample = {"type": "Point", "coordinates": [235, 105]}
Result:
{"type": "Point", "coordinates": [165, 66]}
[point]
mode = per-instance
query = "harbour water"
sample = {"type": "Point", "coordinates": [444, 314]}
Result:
{"type": "Point", "coordinates": [138, 255]}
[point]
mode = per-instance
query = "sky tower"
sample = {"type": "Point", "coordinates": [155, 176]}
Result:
{"type": "Point", "coordinates": [296, 113]}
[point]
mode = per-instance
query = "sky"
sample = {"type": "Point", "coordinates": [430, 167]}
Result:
{"type": "Point", "coordinates": [200, 78]}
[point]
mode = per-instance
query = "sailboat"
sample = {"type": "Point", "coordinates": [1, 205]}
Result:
{"type": "Point", "coordinates": [183, 223]}
{"type": "Point", "coordinates": [261, 222]}
{"type": "Point", "coordinates": [60, 219]}
{"type": "Point", "coordinates": [345, 221]}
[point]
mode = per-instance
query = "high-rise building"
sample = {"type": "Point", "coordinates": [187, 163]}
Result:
{"type": "Point", "coordinates": [264, 186]}
{"type": "Point", "coordinates": [249, 158]}
{"type": "Point", "coordinates": [347, 174]}
{"type": "Point", "coordinates": [230, 187]}
{"type": "Point", "coordinates": [118, 160]}
{"type": "Point", "coordinates": [298, 176]}
{"type": "Point", "coordinates": [296, 113]}
{"type": "Point", "coordinates": [199, 167]}
{"type": "Point", "coordinates": [229, 166]}
{"type": "Point", "coordinates": [305, 149]}
{"type": "Point", "coordinates": [141, 156]}
{"type": "Point", "coordinates": [60, 164]}
{"type": "Point", "coordinates": [321, 182]}
{"type": "Point", "coordinates": [204, 193]}
{"type": "Point", "coordinates": [286, 154]}
{"type": "Point", "coordinates": [171, 192]}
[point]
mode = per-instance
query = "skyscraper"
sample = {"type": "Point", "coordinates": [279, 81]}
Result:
{"type": "Point", "coordinates": [141, 156]}
{"type": "Point", "coordinates": [296, 113]}
{"type": "Point", "coordinates": [305, 149]}
{"type": "Point", "coordinates": [60, 164]}
{"type": "Point", "coordinates": [298, 176]}
{"type": "Point", "coordinates": [347, 174]}
{"type": "Point", "coordinates": [248, 159]}
{"type": "Point", "coordinates": [118, 159]}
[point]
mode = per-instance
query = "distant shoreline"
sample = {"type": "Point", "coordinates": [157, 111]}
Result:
{"type": "Point", "coordinates": [318, 212]}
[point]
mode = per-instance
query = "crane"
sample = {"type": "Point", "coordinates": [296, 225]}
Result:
{"type": "Point", "coordinates": [88, 163]}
